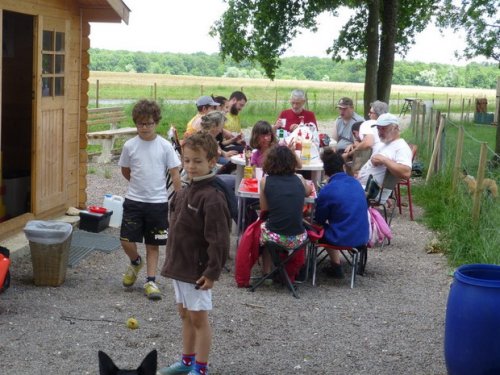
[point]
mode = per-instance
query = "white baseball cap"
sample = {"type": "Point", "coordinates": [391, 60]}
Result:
{"type": "Point", "coordinates": [386, 119]}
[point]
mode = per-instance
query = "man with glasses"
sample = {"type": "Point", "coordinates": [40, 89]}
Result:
{"type": "Point", "coordinates": [289, 119]}
{"type": "Point", "coordinates": [342, 132]}
{"type": "Point", "coordinates": [394, 155]}
{"type": "Point", "coordinates": [144, 162]}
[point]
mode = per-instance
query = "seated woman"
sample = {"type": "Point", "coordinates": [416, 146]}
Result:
{"type": "Point", "coordinates": [227, 140]}
{"type": "Point", "coordinates": [261, 140]}
{"type": "Point", "coordinates": [282, 194]}
{"type": "Point", "coordinates": [213, 123]}
{"type": "Point", "coordinates": [342, 209]}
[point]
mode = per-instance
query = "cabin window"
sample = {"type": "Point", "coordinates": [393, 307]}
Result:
{"type": "Point", "coordinates": [53, 63]}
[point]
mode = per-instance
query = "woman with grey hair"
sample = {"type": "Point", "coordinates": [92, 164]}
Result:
{"type": "Point", "coordinates": [377, 108]}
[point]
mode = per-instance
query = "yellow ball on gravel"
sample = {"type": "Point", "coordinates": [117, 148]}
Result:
{"type": "Point", "coordinates": [132, 323]}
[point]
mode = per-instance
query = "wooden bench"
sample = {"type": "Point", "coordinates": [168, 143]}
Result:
{"type": "Point", "coordinates": [109, 116]}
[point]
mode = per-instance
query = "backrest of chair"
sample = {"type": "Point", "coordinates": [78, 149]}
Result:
{"type": "Point", "coordinates": [360, 158]}
{"type": "Point", "coordinates": [388, 184]}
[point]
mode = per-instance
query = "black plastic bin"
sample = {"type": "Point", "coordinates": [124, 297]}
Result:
{"type": "Point", "coordinates": [93, 221]}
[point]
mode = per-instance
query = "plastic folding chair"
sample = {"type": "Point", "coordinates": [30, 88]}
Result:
{"type": "Point", "coordinates": [281, 257]}
{"type": "Point", "coordinates": [356, 257]}
{"type": "Point", "coordinates": [406, 182]}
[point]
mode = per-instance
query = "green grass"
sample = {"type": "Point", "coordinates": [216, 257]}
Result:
{"type": "Point", "coordinates": [450, 213]}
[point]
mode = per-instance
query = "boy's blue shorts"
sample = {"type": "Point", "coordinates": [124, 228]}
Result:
{"type": "Point", "coordinates": [144, 221]}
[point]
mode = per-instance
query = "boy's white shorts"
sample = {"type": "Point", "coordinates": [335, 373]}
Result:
{"type": "Point", "coordinates": [191, 298]}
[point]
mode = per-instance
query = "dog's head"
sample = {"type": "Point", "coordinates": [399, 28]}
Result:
{"type": "Point", "coordinates": [147, 367]}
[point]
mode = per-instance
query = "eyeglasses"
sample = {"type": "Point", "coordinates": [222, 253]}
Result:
{"type": "Point", "coordinates": [372, 113]}
{"type": "Point", "coordinates": [145, 124]}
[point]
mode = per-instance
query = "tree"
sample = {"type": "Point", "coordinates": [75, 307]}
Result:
{"type": "Point", "coordinates": [262, 30]}
{"type": "Point", "coordinates": [480, 19]}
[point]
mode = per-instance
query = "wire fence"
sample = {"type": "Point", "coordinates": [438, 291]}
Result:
{"type": "Point", "coordinates": [452, 142]}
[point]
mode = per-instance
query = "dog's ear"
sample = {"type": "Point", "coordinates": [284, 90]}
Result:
{"type": "Point", "coordinates": [149, 364]}
{"type": "Point", "coordinates": [106, 364]}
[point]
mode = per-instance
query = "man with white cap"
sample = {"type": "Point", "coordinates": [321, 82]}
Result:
{"type": "Point", "coordinates": [395, 154]}
{"type": "Point", "coordinates": [342, 132]}
{"type": "Point", "coordinates": [204, 104]}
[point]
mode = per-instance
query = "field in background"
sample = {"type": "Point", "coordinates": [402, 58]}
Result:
{"type": "Point", "coordinates": [189, 87]}
{"type": "Point", "coordinates": [266, 98]}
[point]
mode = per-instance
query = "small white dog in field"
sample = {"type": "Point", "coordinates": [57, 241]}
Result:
{"type": "Point", "coordinates": [489, 185]}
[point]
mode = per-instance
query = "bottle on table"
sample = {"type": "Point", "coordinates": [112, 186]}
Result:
{"type": "Point", "coordinates": [306, 149]}
{"type": "Point", "coordinates": [281, 137]}
{"type": "Point", "coordinates": [248, 170]}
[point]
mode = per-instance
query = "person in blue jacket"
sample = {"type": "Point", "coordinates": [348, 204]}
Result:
{"type": "Point", "coordinates": [342, 209]}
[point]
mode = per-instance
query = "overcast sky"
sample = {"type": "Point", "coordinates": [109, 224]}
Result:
{"type": "Point", "coordinates": [182, 26]}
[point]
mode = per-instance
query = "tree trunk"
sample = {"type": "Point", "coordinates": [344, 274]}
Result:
{"type": "Point", "coordinates": [387, 49]}
{"type": "Point", "coordinates": [372, 42]}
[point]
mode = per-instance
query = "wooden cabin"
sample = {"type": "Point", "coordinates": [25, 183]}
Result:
{"type": "Point", "coordinates": [44, 96]}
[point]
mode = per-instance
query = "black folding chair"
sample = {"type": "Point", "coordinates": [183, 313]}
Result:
{"type": "Point", "coordinates": [280, 257]}
{"type": "Point", "coordinates": [389, 184]}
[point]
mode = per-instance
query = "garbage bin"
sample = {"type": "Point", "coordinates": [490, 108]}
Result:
{"type": "Point", "coordinates": [49, 246]}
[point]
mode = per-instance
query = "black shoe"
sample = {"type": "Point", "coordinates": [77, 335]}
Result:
{"type": "Point", "coordinates": [334, 271]}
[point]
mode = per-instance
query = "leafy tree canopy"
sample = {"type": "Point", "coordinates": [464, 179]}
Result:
{"type": "Point", "coordinates": [481, 21]}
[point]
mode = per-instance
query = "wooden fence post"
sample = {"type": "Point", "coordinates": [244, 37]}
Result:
{"type": "Point", "coordinates": [422, 126]}
{"type": "Point", "coordinates": [399, 109]}
{"type": "Point", "coordinates": [437, 145]}
{"type": "Point", "coordinates": [467, 115]}
{"type": "Point", "coordinates": [333, 100]}
{"type": "Point", "coordinates": [412, 115]}
{"type": "Point", "coordinates": [155, 96]}
{"type": "Point", "coordinates": [476, 207]}
{"type": "Point", "coordinates": [276, 100]}
{"type": "Point", "coordinates": [97, 94]}
{"type": "Point", "coordinates": [429, 135]}
{"type": "Point", "coordinates": [417, 118]}
{"type": "Point", "coordinates": [201, 90]}
{"type": "Point", "coordinates": [462, 114]}
{"type": "Point", "coordinates": [449, 107]}
{"type": "Point", "coordinates": [458, 159]}
{"type": "Point", "coordinates": [355, 100]}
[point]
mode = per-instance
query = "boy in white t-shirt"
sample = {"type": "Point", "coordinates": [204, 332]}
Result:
{"type": "Point", "coordinates": [144, 161]}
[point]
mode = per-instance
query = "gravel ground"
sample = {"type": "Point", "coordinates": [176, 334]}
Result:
{"type": "Point", "coordinates": [392, 322]}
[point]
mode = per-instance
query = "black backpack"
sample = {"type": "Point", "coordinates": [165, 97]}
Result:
{"type": "Point", "coordinates": [4, 268]}
{"type": "Point", "coordinates": [232, 204]}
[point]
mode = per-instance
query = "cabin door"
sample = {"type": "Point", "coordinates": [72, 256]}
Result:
{"type": "Point", "coordinates": [51, 124]}
{"type": "Point", "coordinates": [16, 113]}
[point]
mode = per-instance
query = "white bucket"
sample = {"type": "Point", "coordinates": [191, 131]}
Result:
{"type": "Point", "coordinates": [114, 203]}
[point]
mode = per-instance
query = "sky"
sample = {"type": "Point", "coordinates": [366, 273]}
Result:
{"type": "Point", "coordinates": [183, 26]}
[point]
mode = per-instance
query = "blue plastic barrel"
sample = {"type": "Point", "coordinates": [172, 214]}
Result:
{"type": "Point", "coordinates": [472, 327]}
